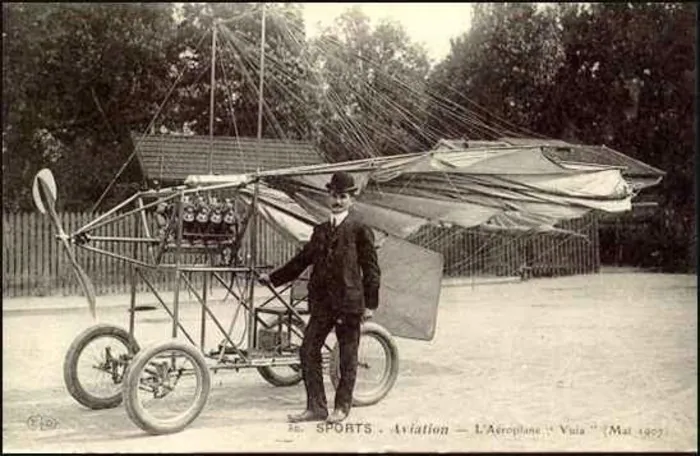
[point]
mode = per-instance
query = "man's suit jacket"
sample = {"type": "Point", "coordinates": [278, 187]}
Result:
{"type": "Point", "coordinates": [345, 275]}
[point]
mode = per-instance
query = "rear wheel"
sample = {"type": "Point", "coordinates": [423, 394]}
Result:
{"type": "Point", "coordinates": [166, 387]}
{"type": "Point", "coordinates": [95, 365]}
{"type": "Point", "coordinates": [285, 375]}
{"type": "Point", "coordinates": [377, 365]}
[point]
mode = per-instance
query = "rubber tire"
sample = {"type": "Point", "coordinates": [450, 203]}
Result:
{"type": "Point", "coordinates": [370, 329]}
{"type": "Point", "coordinates": [130, 393]}
{"type": "Point", "coordinates": [70, 374]}
{"type": "Point", "coordinates": [269, 374]}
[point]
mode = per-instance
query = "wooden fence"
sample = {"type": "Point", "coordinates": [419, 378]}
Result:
{"type": "Point", "coordinates": [475, 252]}
{"type": "Point", "coordinates": [34, 263]}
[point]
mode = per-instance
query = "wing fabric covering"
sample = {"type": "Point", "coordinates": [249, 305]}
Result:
{"type": "Point", "coordinates": [509, 188]}
{"type": "Point", "coordinates": [504, 188]}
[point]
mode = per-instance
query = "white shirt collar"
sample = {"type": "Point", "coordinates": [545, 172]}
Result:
{"type": "Point", "coordinates": [337, 219]}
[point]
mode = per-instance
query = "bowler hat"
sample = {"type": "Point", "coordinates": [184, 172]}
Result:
{"type": "Point", "coordinates": [342, 182]}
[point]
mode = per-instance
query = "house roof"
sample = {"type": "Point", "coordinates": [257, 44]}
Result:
{"type": "Point", "coordinates": [174, 157]}
{"type": "Point", "coordinates": [566, 153]}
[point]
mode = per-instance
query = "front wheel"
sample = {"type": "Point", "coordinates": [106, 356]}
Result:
{"type": "Point", "coordinates": [95, 364]}
{"type": "Point", "coordinates": [377, 365]}
{"type": "Point", "coordinates": [166, 387]}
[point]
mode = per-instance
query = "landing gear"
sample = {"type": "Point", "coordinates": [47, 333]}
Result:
{"type": "Point", "coordinates": [378, 365]}
{"type": "Point", "coordinates": [94, 366]}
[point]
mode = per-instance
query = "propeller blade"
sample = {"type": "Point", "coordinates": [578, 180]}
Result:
{"type": "Point", "coordinates": [46, 176]}
{"type": "Point", "coordinates": [83, 278]}
{"type": "Point", "coordinates": [45, 186]}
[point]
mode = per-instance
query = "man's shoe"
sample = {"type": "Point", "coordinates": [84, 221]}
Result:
{"type": "Point", "coordinates": [337, 416]}
{"type": "Point", "coordinates": [307, 415]}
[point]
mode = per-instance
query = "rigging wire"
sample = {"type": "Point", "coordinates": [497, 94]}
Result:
{"type": "Point", "coordinates": [143, 136]}
{"type": "Point", "coordinates": [232, 113]}
{"type": "Point", "coordinates": [468, 117]}
{"type": "Point", "coordinates": [384, 106]}
{"type": "Point", "coordinates": [351, 126]}
{"type": "Point", "coordinates": [377, 103]}
{"type": "Point", "coordinates": [240, 56]}
{"type": "Point", "coordinates": [492, 114]}
{"type": "Point", "coordinates": [364, 58]}
{"type": "Point", "coordinates": [327, 91]}
{"type": "Point", "coordinates": [396, 79]}
{"type": "Point", "coordinates": [441, 99]}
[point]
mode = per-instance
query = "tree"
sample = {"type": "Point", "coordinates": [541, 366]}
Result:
{"type": "Point", "coordinates": [371, 82]}
{"type": "Point", "coordinates": [81, 79]}
{"type": "Point", "coordinates": [620, 74]}
{"type": "Point", "coordinates": [78, 78]}
{"type": "Point", "coordinates": [628, 82]}
{"type": "Point", "coordinates": [285, 91]}
{"type": "Point", "coordinates": [497, 74]}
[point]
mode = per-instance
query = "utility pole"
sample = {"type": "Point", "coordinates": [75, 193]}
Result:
{"type": "Point", "coordinates": [254, 221]}
{"type": "Point", "coordinates": [262, 72]}
{"type": "Point", "coordinates": [211, 96]}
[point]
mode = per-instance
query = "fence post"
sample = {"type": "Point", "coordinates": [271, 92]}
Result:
{"type": "Point", "coordinates": [596, 244]}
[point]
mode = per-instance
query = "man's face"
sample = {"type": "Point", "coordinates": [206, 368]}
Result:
{"type": "Point", "coordinates": [339, 202]}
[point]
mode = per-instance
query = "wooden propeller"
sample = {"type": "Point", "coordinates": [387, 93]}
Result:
{"type": "Point", "coordinates": [44, 194]}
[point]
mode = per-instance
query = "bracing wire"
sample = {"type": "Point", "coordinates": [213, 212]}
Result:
{"type": "Point", "coordinates": [385, 97]}
{"type": "Point", "coordinates": [329, 41]}
{"type": "Point", "coordinates": [493, 115]}
{"type": "Point", "coordinates": [243, 55]}
{"type": "Point", "coordinates": [232, 112]}
{"type": "Point", "coordinates": [148, 128]}
{"type": "Point", "coordinates": [468, 118]}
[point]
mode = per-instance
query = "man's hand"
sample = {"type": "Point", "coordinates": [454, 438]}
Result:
{"type": "Point", "coordinates": [369, 313]}
{"type": "Point", "coordinates": [264, 279]}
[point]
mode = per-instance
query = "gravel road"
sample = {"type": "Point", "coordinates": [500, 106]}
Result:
{"type": "Point", "coordinates": [603, 362]}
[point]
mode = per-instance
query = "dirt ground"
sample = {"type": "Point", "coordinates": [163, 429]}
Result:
{"type": "Point", "coordinates": [602, 362]}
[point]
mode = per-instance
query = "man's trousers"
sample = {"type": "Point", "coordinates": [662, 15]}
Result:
{"type": "Point", "coordinates": [347, 329]}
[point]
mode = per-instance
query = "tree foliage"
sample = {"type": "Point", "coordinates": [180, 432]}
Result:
{"type": "Point", "coordinates": [505, 63]}
{"type": "Point", "coordinates": [619, 74]}
{"type": "Point", "coordinates": [628, 82]}
{"type": "Point", "coordinates": [285, 91]}
{"type": "Point", "coordinates": [80, 79]}
{"type": "Point", "coordinates": [77, 78]}
{"type": "Point", "coordinates": [371, 82]}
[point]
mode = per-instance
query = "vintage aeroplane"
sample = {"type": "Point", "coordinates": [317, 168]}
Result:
{"type": "Point", "coordinates": [198, 228]}
{"type": "Point", "coordinates": [498, 188]}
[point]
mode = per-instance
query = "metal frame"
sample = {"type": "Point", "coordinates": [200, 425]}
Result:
{"type": "Point", "coordinates": [251, 355]}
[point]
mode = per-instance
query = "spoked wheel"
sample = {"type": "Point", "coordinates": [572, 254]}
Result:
{"type": "Point", "coordinates": [166, 387]}
{"type": "Point", "coordinates": [377, 365]}
{"type": "Point", "coordinates": [285, 375]}
{"type": "Point", "coordinates": [95, 365]}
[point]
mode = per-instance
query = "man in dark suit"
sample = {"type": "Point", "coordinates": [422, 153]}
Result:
{"type": "Point", "coordinates": [343, 291]}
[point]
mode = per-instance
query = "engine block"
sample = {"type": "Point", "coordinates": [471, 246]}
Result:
{"type": "Point", "coordinates": [205, 221]}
